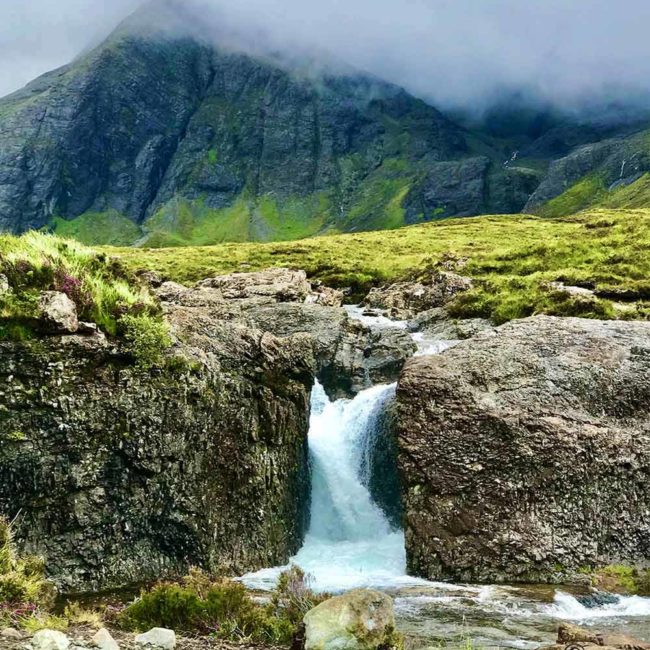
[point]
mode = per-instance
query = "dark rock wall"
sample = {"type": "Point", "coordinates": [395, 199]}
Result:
{"type": "Point", "coordinates": [119, 476]}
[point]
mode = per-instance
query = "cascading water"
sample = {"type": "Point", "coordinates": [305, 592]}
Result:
{"type": "Point", "coordinates": [350, 542]}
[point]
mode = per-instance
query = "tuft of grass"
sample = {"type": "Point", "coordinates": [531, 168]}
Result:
{"type": "Point", "coordinates": [109, 228]}
{"type": "Point", "coordinates": [103, 290]}
{"type": "Point", "coordinates": [146, 338]}
{"type": "Point", "coordinates": [512, 260]}
{"type": "Point", "coordinates": [621, 578]}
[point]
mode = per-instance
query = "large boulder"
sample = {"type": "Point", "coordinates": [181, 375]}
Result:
{"type": "Point", "coordinates": [283, 285]}
{"type": "Point", "coordinates": [525, 451]}
{"type": "Point", "coordinates": [57, 314]}
{"type": "Point", "coordinates": [572, 635]}
{"type": "Point", "coordinates": [358, 620]}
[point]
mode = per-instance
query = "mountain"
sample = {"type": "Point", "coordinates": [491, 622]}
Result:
{"type": "Point", "coordinates": [160, 137]}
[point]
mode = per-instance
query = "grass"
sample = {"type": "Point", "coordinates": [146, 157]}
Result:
{"type": "Point", "coordinates": [103, 290]}
{"type": "Point", "coordinates": [512, 260]}
{"type": "Point", "coordinates": [93, 228]}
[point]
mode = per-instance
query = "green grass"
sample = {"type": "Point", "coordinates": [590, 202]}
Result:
{"type": "Point", "coordinates": [511, 258]}
{"type": "Point", "coordinates": [94, 228]}
{"type": "Point", "coordinates": [103, 290]}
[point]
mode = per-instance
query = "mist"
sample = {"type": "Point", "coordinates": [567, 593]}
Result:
{"type": "Point", "coordinates": [457, 54]}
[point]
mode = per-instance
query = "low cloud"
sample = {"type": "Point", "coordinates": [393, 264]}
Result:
{"type": "Point", "coordinates": [454, 53]}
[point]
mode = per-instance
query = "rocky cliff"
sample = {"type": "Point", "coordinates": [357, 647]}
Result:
{"type": "Point", "coordinates": [525, 452]}
{"type": "Point", "coordinates": [118, 474]}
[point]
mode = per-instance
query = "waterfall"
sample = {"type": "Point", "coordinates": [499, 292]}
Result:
{"type": "Point", "coordinates": [350, 542]}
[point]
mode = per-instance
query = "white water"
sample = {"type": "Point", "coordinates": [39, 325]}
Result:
{"type": "Point", "coordinates": [566, 607]}
{"type": "Point", "coordinates": [350, 542]}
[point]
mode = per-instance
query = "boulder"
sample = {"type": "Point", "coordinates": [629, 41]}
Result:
{"type": "Point", "coordinates": [325, 296]}
{"type": "Point", "coordinates": [157, 638]}
{"type": "Point", "coordinates": [437, 324]}
{"type": "Point", "coordinates": [524, 452]}
{"type": "Point", "coordinates": [282, 285]}
{"type": "Point", "coordinates": [57, 314]}
{"type": "Point", "coordinates": [50, 640]}
{"type": "Point", "coordinates": [358, 620]}
{"type": "Point", "coordinates": [104, 641]}
{"type": "Point", "coordinates": [404, 300]}
{"type": "Point", "coordinates": [11, 633]}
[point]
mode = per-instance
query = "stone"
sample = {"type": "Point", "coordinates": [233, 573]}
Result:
{"type": "Point", "coordinates": [437, 324]}
{"type": "Point", "coordinates": [569, 634]}
{"type": "Point", "coordinates": [361, 619]}
{"type": "Point", "coordinates": [404, 300]}
{"type": "Point", "coordinates": [50, 640]}
{"type": "Point", "coordinates": [325, 296]}
{"type": "Point", "coordinates": [104, 641]}
{"type": "Point", "coordinates": [281, 285]}
{"type": "Point", "coordinates": [57, 314]}
{"type": "Point", "coordinates": [11, 633]}
{"type": "Point", "coordinates": [157, 638]}
{"type": "Point", "coordinates": [523, 451]}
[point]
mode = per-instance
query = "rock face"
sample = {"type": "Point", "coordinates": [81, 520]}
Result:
{"type": "Point", "coordinates": [93, 138]}
{"type": "Point", "coordinates": [358, 620]}
{"type": "Point", "coordinates": [404, 300]}
{"type": "Point", "coordinates": [122, 475]}
{"type": "Point", "coordinates": [350, 356]}
{"type": "Point", "coordinates": [569, 634]}
{"type": "Point", "coordinates": [525, 451]}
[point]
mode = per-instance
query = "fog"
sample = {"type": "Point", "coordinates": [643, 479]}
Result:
{"type": "Point", "coordinates": [454, 53]}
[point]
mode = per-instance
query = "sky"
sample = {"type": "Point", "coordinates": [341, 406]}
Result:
{"type": "Point", "coordinates": [455, 53]}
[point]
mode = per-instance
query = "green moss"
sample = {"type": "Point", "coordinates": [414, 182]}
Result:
{"type": "Point", "coordinates": [94, 228]}
{"type": "Point", "coordinates": [146, 338]}
{"type": "Point", "coordinates": [620, 578]}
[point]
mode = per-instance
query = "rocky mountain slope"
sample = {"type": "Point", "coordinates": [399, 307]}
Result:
{"type": "Point", "coordinates": [159, 136]}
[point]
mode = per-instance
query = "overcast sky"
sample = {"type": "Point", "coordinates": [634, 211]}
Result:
{"type": "Point", "coordinates": [453, 52]}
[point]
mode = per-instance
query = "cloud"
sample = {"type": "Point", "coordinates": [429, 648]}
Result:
{"type": "Point", "coordinates": [455, 53]}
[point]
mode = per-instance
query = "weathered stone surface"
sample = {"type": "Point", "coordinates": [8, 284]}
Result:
{"type": "Point", "coordinates": [158, 637]}
{"type": "Point", "coordinates": [350, 356]}
{"type": "Point", "coordinates": [11, 633]}
{"type": "Point", "coordinates": [122, 475]}
{"type": "Point", "coordinates": [404, 300]}
{"type": "Point", "coordinates": [438, 324]}
{"type": "Point", "coordinates": [358, 620]}
{"type": "Point", "coordinates": [50, 640]}
{"type": "Point", "coordinates": [58, 314]}
{"type": "Point", "coordinates": [103, 640]}
{"type": "Point", "coordinates": [282, 285]}
{"type": "Point", "coordinates": [525, 451]}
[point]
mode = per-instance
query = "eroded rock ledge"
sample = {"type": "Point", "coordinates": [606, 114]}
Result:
{"type": "Point", "coordinates": [525, 452]}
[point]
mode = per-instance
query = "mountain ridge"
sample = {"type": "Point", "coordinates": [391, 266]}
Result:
{"type": "Point", "coordinates": [161, 138]}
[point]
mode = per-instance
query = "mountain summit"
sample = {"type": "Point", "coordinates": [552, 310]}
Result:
{"type": "Point", "coordinates": [162, 136]}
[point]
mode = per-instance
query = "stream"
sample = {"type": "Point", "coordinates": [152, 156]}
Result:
{"type": "Point", "coordinates": [350, 543]}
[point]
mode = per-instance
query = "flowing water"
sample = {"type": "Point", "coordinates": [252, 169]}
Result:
{"type": "Point", "coordinates": [350, 543]}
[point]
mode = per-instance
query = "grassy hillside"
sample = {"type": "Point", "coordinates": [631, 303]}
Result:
{"type": "Point", "coordinates": [512, 258]}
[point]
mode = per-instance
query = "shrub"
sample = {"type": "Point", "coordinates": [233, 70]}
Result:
{"type": "Point", "coordinates": [23, 588]}
{"type": "Point", "coordinates": [146, 338]}
{"type": "Point", "coordinates": [223, 608]}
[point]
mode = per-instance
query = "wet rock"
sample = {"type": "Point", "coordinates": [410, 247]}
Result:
{"type": "Point", "coordinates": [50, 640]}
{"type": "Point", "coordinates": [104, 641]}
{"type": "Point", "coordinates": [404, 300]}
{"type": "Point", "coordinates": [57, 314]}
{"type": "Point", "coordinates": [598, 599]}
{"type": "Point", "coordinates": [523, 451]}
{"type": "Point", "coordinates": [358, 620]}
{"type": "Point", "coordinates": [157, 638]}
